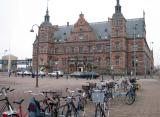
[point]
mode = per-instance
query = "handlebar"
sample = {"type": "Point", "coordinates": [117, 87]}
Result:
{"type": "Point", "coordinates": [5, 90]}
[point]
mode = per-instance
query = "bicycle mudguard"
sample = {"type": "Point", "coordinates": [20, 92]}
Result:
{"type": "Point", "coordinates": [9, 114]}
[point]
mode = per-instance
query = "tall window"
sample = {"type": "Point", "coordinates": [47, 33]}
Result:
{"type": "Point", "coordinates": [117, 46]}
{"type": "Point", "coordinates": [72, 49]}
{"type": "Point", "coordinates": [80, 49]}
{"type": "Point", "coordinates": [134, 60]}
{"type": "Point", "coordinates": [64, 50]}
{"type": "Point", "coordinates": [117, 60]}
{"type": "Point", "coordinates": [56, 50]}
{"type": "Point", "coordinates": [136, 47]}
{"type": "Point", "coordinates": [107, 61]}
{"type": "Point", "coordinates": [107, 48]}
{"type": "Point", "coordinates": [89, 49]}
{"type": "Point", "coordinates": [99, 48]}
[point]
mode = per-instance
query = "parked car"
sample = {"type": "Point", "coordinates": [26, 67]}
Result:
{"type": "Point", "coordinates": [19, 73]}
{"type": "Point", "coordinates": [91, 75]}
{"type": "Point", "coordinates": [77, 74]}
{"type": "Point", "coordinates": [27, 73]}
{"type": "Point", "coordinates": [54, 73]}
{"type": "Point", "coordinates": [41, 73]}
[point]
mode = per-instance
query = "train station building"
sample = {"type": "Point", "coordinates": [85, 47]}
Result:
{"type": "Point", "coordinates": [116, 46]}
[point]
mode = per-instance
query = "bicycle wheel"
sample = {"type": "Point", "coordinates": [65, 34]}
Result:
{"type": "Point", "coordinates": [72, 112]}
{"type": "Point", "coordinates": [81, 107]}
{"type": "Point", "coordinates": [106, 108]}
{"type": "Point", "coordinates": [130, 98]}
{"type": "Point", "coordinates": [99, 112]}
{"type": "Point", "coordinates": [67, 111]}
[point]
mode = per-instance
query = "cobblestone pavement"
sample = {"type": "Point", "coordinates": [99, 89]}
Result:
{"type": "Point", "coordinates": [147, 102]}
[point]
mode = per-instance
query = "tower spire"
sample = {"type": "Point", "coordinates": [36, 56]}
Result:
{"type": "Point", "coordinates": [118, 7]}
{"type": "Point", "coordinates": [117, 2]}
{"type": "Point", "coordinates": [47, 17]}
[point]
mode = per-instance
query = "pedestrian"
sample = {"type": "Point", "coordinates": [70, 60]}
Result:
{"type": "Point", "coordinates": [112, 76]}
{"type": "Point", "coordinates": [33, 75]}
{"type": "Point", "coordinates": [9, 73]}
{"type": "Point", "coordinates": [22, 74]}
{"type": "Point", "coordinates": [56, 75]}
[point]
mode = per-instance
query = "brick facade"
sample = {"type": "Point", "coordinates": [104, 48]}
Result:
{"type": "Point", "coordinates": [103, 47]}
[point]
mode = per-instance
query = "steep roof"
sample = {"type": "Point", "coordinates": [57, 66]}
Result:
{"type": "Point", "coordinates": [102, 29]}
{"type": "Point", "coordinates": [140, 29]}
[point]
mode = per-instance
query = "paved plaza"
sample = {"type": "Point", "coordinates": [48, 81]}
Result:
{"type": "Point", "coordinates": [147, 102]}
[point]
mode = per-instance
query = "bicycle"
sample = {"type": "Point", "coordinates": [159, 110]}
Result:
{"type": "Point", "coordinates": [131, 94]}
{"type": "Point", "coordinates": [74, 104]}
{"type": "Point", "coordinates": [52, 103]}
{"type": "Point", "coordinates": [20, 112]}
{"type": "Point", "coordinates": [6, 109]}
{"type": "Point", "coordinates": [39, 108]}
{"type": "Point", "coordinates": [99, 97]}
{"type": "Point", "coordinates": [88, 90]}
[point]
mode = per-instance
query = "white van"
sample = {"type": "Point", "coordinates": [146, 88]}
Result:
{"type": "Point", "coordinates": [54, 73]}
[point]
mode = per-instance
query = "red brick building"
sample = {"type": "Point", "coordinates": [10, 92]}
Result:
{"type": "Point", "coordinates": [118, 45]}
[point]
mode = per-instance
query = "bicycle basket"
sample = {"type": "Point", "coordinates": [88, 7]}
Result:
{"type": "Point", "coordinates": [56, 93]}
{"type": "Point", "coordinates": [98, 96]}
{"type": "Point", "coordinates": [85, 87]}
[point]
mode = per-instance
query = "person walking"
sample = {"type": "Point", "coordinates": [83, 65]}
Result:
{"type": "Point", "coordinates": [57, 76]}
{"type": "Point", "coordinates": [9, 73]}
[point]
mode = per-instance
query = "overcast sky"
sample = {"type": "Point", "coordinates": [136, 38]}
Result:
{"type": "Point", "coordinates": [18, 16]}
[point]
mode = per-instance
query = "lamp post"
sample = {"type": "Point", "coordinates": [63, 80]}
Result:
{"type": "Point", "coordinates": [67, 68]}
{"type": "Point", "coordinates": [134, 45]}
{"type": "Point", "coordinates": [151, 61]}
{"type": "Point", "coordinates": [37, 38]}
{"type": "Point", "coordinates": [56, 63]}
{"type": "Point", "coordinates": [93, 60]}
{"type": "Point", "coordinates": [3, 65]}
{"type": "Point", "coordinates": [9, 62]}
{"type": "Point", "coordinates": [151, 47]}
{"type": "Point", "coordinates": [110, 55]}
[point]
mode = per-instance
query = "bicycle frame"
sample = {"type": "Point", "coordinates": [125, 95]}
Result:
{"type": "Point", "coordinates": [20, 111]}
{"type": "Point", "coordinates": [7, 104]}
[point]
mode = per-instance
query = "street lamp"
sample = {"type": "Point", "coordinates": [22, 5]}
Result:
{"type": "Point", "coordinates": [93, 60]}
{"type": "Point", "coordinates": [110, 55]}
{"type": "Point", "coordinates": [151, 63]}
{"type": "Point", "coordinates": [56, 63]}
{"type": "Point", "coordinates": [134, 45]}
{"type": "Point", "coordinates": [37, 38]}
{"type": "Point", "coordinates": [151, 47]}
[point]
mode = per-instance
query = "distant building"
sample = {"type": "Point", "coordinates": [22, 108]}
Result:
{"type": "Point", "coordinates": [118, 45]}
{"type": "Point", "coordinates": [9, 62]}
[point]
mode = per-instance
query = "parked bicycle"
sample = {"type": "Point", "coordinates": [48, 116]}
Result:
{"type": "Point", "coordinates": [131, 94]}
{"type": "Point", "coordinates": [101, 98]}
{"type": "Point", "coordinates": [88, 90]}
{"type": "Point", "coordinates": [40, 108]}
{"type": "Point", "coordinates": [73, 105]}
{"type": "Point", "coordinates": [6, 108]}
